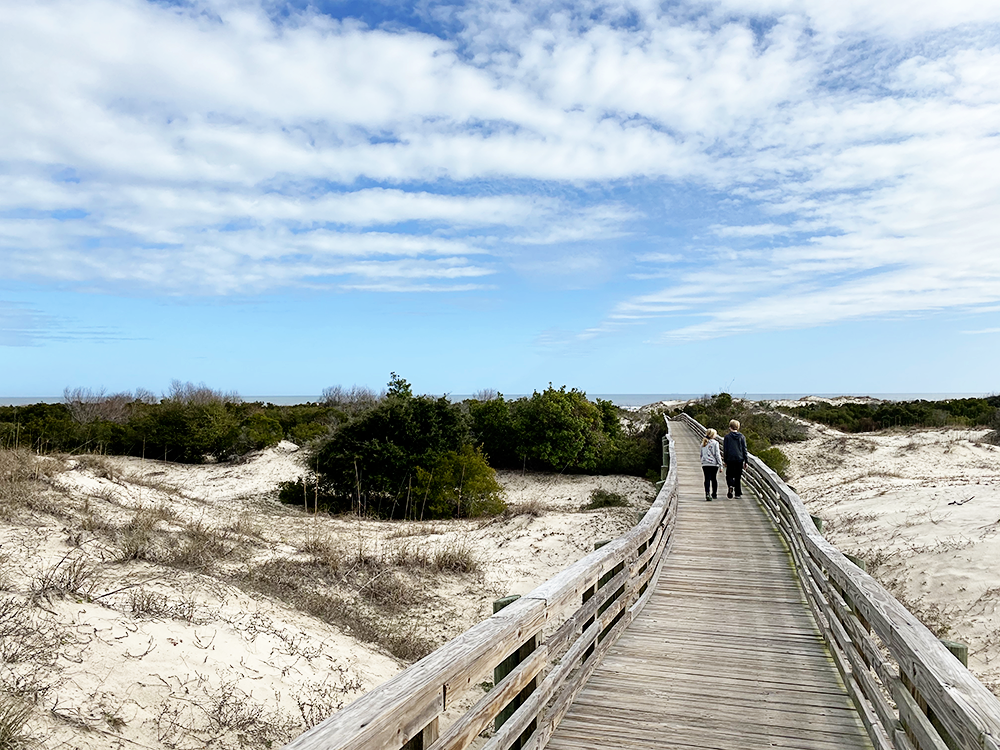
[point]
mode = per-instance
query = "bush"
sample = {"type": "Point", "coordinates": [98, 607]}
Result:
{"type": "Point", "coordinates": [561, 430]}
{"type": "Point", "coordinates": [961, 412]}
{"type": "Point", "coordinates": [459, 484]}
{"type": "Point", "coordinates": [190, 423]}
{"type": "Point", "coordinates": [370, 464]}
{"type": "Point", "coordinates": [777, 460]}
{"type": "Point", "coordinates": [601, 498]}
{"type": "Point", "coordinates": [492, 427]}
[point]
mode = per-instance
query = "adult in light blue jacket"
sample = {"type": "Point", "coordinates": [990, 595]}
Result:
{"type": "Point", "coordinates": [711, 460]}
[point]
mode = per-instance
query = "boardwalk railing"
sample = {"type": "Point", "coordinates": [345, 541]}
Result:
{"type": "Point", "coordinates": [911, 692]}
{"type": "Point", "coordinates": [540, 650]}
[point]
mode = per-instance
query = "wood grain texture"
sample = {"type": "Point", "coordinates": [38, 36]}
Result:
{"type": "Point", "coordinates": [725, 653]}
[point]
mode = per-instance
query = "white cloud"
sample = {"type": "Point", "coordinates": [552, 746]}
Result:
{"type": "Point", "coordinates": [208, 148]}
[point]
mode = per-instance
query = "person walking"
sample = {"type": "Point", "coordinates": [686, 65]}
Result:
{"type": "Point", "coordinates": [734, 453]}
{"type": "Point", "coordinates": [711, 461]}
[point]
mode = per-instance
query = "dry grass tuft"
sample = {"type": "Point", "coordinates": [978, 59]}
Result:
{"type": "Point", "coordinates": [418, 528]}
{"type": "Point", "coordinates": [135, 540]}
{"type": "Point", "coordinates": [533, 507]}
{"type": "Point", "coordinates": [245, 525]}
{"type": "Point", "coordinates": [29, 649]}
{"type": "Point", "coordinates": [22, 485]}
{"type": "Point", "coordinates": [203, 546]}
{"type": "Point", "coordinates": [97, 465]}
{"type": "Point", "coordinates": [317, 701]}
{"type": "Point", "coordinates": [145, 603]}
{"type": "Point", "coordinates": [367, 614]}
{"type": "Point", "coordinates": [68, 577]}
{"type": "Point", "coordinates": [457, 557]}
{"type": "Point", "coordinates": [14, 714]}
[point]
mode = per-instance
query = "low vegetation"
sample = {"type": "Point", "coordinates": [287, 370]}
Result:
{"type": "Point", "coordinates": [389, 454]}
{"type": "Point", "coordinates": [421, 457]}
{"type": "Point", "coordinates": [869, 417]}
{"type": "Point", "coordinates": [604, 499]}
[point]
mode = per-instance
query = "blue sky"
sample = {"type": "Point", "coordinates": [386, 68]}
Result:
{"type": "Point", "coordinates": [760, 196]}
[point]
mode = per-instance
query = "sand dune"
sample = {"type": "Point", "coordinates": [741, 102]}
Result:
{"type": "Point", "coordinates": [155, 605]}
{"type": "Point", "coordinates": [922, 507]}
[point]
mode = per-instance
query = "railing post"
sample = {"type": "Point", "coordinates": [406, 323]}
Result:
{"type": "Point", "coordinates": [507, 666]}
{"type": "Point", "coordinates": [427, 737]}
{"type": "Point", "coordinates": [665, 462]}
{"type": "Point", "coordinates": [856, 560]}
{"type": "Point", "coordinates": [959, 650]}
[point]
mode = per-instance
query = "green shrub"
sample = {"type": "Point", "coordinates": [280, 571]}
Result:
{"type": "Point", "coordinates": [261, 431]}
{"type": "Point", "coordinates": [601, 498]}
{"type": "Point", "coordinates": [561, 430]}
{"type": "Point", "coordinates": [369, 465]}
{"type": "Point", "coordinates": [777, 460]}
{"type": "Point", "coordinates": [459, 484]}
{"type": "Point", "coordinates": [867, 417]}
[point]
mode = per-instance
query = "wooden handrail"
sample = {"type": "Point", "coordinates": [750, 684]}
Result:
{"type": "Point", "coordinates": [922, 698]}
{"type": "Point", "coordinates": [559, 632]}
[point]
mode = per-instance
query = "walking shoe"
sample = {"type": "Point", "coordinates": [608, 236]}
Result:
{"type": "Point", "coordinates": [730, 493]}
{"type": "Point", "coordinates": [739, 497]}
{"type": "Point", "coordinates": [713, 497]}
{"type": "Point", "coordinates": [708, 498]}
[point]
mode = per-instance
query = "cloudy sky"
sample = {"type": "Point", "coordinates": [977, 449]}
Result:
{"type": "Point", "coordinates": [760, 196]}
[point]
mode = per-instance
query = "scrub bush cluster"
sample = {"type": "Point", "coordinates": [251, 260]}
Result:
{"type": "Point", "coordinates": [388, 454]}
{"type": "Point", "coordinates": [958, 412]}
{"type": "Point", "coordinates": [189, 424]}
{"type": "Point", "coordinates": [420, 457]}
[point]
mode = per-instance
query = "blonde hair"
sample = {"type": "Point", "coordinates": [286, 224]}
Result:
{"type": "Point", "coordinates": [734, 424]}
{"type": "Point", "coordinates": [709, 437]}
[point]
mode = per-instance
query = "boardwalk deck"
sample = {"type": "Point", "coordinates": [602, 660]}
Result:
{"type": "Point", "coordinates": [726, 653]}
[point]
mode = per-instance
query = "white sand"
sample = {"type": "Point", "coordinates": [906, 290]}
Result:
{"type": "Point", "coordinates": [922, 507]}
{"type": "Point", "coordinates": [148, 655]}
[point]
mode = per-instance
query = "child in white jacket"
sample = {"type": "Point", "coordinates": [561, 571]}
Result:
{"type": "Point", "coordinates": [711, 462]}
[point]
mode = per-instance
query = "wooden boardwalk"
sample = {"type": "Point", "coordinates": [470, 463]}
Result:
{"type": "Point", "coordinates": [726, 653]}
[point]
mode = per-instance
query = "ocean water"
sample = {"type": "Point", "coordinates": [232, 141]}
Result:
{"type": "Point", "coordinates": [621, 399]}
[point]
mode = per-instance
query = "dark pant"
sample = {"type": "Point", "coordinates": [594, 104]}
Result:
{"type": "Point", "coordinates": [711, 480]}
{"type": "Point", "coordinates": [734, 477]}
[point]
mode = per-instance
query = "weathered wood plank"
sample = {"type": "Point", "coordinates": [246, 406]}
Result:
{"type": "Point", "coordinates": [965, 709]}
